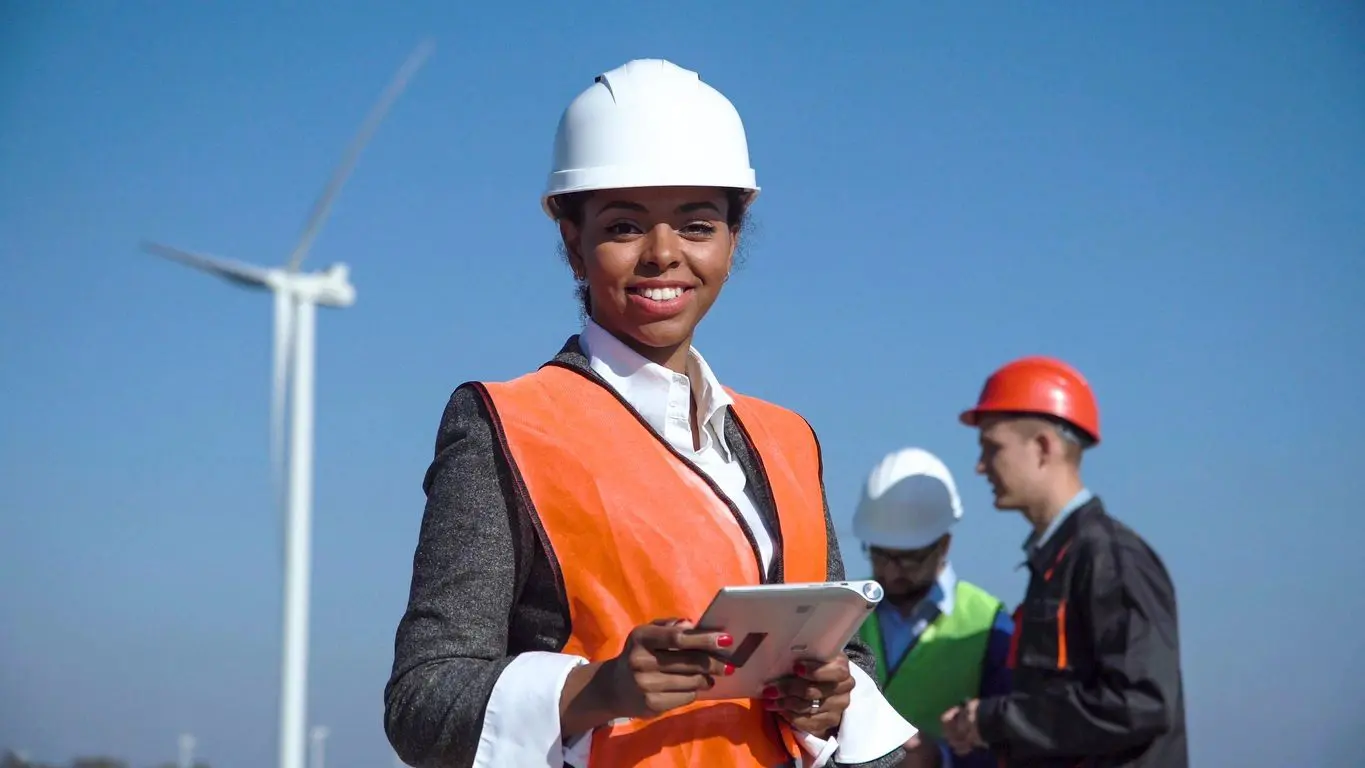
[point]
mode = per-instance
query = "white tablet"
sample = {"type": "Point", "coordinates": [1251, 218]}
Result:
{"type": "Point", "coordinates": [777, 625]}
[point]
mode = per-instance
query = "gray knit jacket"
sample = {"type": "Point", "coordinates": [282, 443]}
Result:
{"type": "Point", "coordinates": [483, 589]}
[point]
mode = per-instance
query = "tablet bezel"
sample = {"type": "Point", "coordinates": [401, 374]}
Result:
{"type": "Point", "coordinates": [776, 625]}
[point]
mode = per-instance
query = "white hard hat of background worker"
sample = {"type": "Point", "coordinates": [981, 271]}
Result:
{"type": "Point", "coordinates": [645, 137]}
{"type": "Point", "coordinates": [909, 501]}
{"type": "Point", "coordinates": [908, 507]}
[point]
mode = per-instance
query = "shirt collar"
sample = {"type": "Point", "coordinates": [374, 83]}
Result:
{"type": "Point", "coordinates": [1035, 541]}
{"type": "Point", "coordinates": [655, 391]}
{"type": "Point", "coordinates": [944, 593]}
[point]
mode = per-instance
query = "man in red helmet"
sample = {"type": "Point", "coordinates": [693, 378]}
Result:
{"type": "Point", "coordinates": [1095, 652]}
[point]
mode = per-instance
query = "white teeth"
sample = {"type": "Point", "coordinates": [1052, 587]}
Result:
{"type": "Point", "coordinates": [661, 294]}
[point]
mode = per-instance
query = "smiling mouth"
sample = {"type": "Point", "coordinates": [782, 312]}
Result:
{"type": "Point", "coordinates": [659, 294]}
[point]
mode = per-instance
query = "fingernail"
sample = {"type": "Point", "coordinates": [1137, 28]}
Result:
{"type": "Point", "coordinates": [725, 641]}
{"type": "Point", "coordinates": [729, 669]}
{"type": "Point", "coordinates": [770, 692]}
{"type": "Point", "coordinates": [800, 668]}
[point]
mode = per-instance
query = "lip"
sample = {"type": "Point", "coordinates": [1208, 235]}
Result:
{"type": "Point", "coordinates": [659, 310]}
{"type": "Point", "coordinates": [645, 285]}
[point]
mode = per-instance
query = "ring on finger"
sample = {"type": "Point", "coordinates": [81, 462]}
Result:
{"type": "Point", "coordinates": [815, 705]}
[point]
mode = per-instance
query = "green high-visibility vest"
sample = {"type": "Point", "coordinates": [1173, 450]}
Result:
{"type": "Point", "coordinates": [943, 668]}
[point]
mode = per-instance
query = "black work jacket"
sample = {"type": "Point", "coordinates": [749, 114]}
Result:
{"type": "Point", "coordinates": [1096, 656]}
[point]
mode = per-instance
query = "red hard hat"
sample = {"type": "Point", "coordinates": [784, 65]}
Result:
{"type": "Point", "coordinates": [1039, 385]}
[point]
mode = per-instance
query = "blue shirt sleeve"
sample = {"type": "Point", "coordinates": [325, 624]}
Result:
{"type": "Point", "coordinates": [995, 674]}
{"type": "Point", "coordinates": [995, 681]}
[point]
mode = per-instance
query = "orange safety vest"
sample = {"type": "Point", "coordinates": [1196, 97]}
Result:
{"type": "Point", "coordinates": [638, 534]}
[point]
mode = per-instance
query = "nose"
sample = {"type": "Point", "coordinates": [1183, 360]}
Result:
{"type": "Point", "coordinates": [663, 249]}
{"type": "Point", "coordinates": [981, 466]}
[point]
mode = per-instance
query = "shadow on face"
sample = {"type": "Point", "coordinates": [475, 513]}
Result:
{"type": "Point", "coordinates": [651, 261]}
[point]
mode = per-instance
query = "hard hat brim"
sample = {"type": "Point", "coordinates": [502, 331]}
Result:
{"type": "Point", "coordinates": [972, 418]}
{"type": "Point", "coordinates": [904, 541]}
{"type": "Point", "coordinates": [592, 180]}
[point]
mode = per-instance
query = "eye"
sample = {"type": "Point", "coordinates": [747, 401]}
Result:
{"type": "Point", "coordinates": [700, 230]}
{"type": "Point", "coordinates": [622, 229]}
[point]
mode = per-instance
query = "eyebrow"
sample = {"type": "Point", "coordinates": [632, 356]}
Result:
{"type": "Point", "coordinates": [623, 205]}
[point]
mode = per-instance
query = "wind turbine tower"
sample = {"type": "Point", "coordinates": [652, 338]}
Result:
{"type": "Point", "coordinates": [319, 736]}
{"type": "Point", "coordinates": [187, 745]}
{"type": "Point", "coordinates": [297, 296]}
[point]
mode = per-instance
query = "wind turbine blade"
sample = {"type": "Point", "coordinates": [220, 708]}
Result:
{"type": "Point", "coordinates": [280, 372]}
{"type": "Point", "coordinates": [343, 170]}
{"type": "Point", "coordinates": [232, 271]}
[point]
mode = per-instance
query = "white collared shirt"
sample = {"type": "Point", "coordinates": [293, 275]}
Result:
{"type": "Point", "coordinates": [521, 724]}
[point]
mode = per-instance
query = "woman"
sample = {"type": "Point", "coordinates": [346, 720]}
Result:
{"type": "Point", "coordinates": [579, 517]}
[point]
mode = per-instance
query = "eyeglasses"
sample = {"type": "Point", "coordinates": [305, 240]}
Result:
{"type": "Point", "coordinates": [904, 558]}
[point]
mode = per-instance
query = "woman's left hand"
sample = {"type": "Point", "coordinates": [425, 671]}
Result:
{"type": "Point", "coordinates": [813, 698]}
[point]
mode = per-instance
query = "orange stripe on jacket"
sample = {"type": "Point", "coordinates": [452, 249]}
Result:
{"type": "Point", "coordinates": [1061, 635]}
{"type": "Point", "coordinates": [638, 535]}
{"type": "Point", "coordinates": [1012, 658]}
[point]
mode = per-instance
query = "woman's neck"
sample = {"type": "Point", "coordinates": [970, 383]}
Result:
{"type": "Point", "coordinates": [674, 358]}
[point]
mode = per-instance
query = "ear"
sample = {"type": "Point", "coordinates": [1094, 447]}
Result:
{"type": "Point", "coordinates": [1050, 448]}
{"type": "Point", "coordinates": [569, 234]}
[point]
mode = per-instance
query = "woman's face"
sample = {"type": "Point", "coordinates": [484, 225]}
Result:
{"type": "Point", "coordinates": [654, 260]}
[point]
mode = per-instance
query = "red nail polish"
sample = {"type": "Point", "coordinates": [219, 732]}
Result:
{"type": "Point", "coordinates": [770, 692]}
{"type": "Point", "coordinates": [729, 669]}
{"type": "Point", "coordinates": [725, 641]}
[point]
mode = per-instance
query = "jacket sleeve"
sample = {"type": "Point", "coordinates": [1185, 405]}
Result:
{"type": "Point", "coordinates": [1127, 610]}
{"type": "Point", "coordinates": [451, 646]}
{"type": "Point", "coordinates": [870, 720]}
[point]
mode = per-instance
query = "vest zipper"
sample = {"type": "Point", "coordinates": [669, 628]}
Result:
{"type": "Point", "coordinates": [734, 510]}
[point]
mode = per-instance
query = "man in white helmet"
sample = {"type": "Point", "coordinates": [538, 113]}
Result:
{"type": "Point", "coordinates": [581, 517]}
{"type": "Point", "coordinates": [938, 639]}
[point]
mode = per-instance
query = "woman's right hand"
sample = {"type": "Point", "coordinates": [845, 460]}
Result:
{"type": "Point", "coordinates": [664, 665]}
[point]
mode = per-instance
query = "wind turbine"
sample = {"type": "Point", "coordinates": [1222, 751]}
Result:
{"type": "Point", "coordinates": [187, 745]}
{"type": "Point", "coordinates": [297, 295]}
{"type": "Point", "coordinates": [319, 736]}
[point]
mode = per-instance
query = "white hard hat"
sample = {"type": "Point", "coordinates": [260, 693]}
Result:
{"type": "Point", "coordinates": [649, 123]}
{"type": "Point", "coordinates": [909, 501]}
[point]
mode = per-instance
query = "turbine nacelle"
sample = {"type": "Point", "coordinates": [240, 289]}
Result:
{"type": "Point", "coordinates": [330, 287]}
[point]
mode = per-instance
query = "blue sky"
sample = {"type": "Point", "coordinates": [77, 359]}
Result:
{"type": "Point", "coordinates": [1170, 197]}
